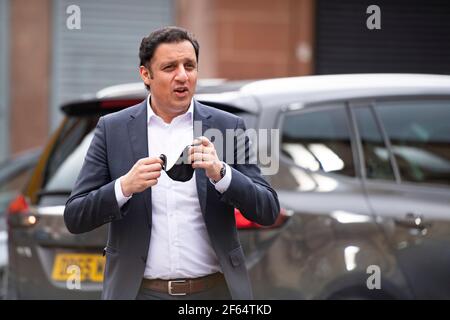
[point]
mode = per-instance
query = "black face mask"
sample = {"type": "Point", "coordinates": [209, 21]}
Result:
{"type": "Point", "coordinates": [181, 170]}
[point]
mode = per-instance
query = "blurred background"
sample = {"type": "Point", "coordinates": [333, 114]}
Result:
{"type": "Point", "coordinates": [44, 64]}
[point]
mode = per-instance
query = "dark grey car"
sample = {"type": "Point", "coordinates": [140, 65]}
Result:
{"type": "Point", "coordinates": [14, 173]}
{"type": "Point", "coordinates": [363, 175]}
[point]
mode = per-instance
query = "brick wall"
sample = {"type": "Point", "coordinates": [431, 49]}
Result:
{"type": "Point", "coordinates": [251, 38]}
{"type": "Point", "coordinates": [29, 73]}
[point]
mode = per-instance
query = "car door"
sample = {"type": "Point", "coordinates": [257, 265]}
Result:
{"type": "Point", "coordinates": [331, 237]}
{"type": "Point", "coordinates": [406, 150]}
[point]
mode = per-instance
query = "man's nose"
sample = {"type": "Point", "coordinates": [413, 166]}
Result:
{"type": "Point", "coordinates": [181, 74]}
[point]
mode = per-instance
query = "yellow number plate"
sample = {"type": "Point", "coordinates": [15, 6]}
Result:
{"type": "Point", "coordinates": [86, 267]}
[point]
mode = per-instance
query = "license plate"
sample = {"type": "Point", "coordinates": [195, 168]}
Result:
{"type": "Point", "coordinates": [82, 267]}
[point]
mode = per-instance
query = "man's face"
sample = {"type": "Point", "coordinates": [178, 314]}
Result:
{"type": "Point", "coordinates": [172, 77]}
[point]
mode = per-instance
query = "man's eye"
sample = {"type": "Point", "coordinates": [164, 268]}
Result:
{"type": "Point", "coordinates": [190, 67]}
{"type": "Point", "coordinates": [168, 68]}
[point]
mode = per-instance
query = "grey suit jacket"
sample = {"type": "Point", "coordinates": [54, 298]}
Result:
{"type": "Point", "coordinates": [120, 139]}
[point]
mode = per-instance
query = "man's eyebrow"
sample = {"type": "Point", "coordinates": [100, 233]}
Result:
{"type": "Point", "coordinates": [174, 62]}
{"type": "Point", "coordinates": [168, 63]}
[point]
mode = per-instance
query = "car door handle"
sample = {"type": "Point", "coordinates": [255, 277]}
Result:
{"type": "Point", "coordinates": [412, 221]}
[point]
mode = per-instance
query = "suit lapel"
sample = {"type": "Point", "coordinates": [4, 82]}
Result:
{"type": "Point", "coordinates": [137, 130]}
{"type": "Point", "coordinates": [201, 124]}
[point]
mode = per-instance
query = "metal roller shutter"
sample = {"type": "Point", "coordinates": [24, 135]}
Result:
{"type": "Point", "coordinates": [414, 37]}
{"type": "Point", "coordinates": [105, 50]}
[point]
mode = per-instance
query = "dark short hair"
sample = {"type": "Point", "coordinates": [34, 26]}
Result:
{"type": "Point", "coordinates": [150, 43]}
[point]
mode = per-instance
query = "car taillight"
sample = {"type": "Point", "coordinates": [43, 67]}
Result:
{"type": "Point", "coordinates": [244, 223]}
{"type": "Point", "coordinates": [19, 213]}
{"type": "Point", "coordinates": [18, 205]}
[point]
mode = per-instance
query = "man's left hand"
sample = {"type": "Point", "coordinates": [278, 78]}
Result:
{"type": "Point", "coordinates": [203, 155]}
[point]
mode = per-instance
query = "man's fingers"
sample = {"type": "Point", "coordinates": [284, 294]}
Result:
{"type": "Point", "coordinates": [151, 175]}
{"type": "Point", "coordinates": [201, 149]}
{"type": "Point", "coordinates": [202, 164]}
{"type": "Point", "coordinates": [151, 183]}
{"type": "Point", "coordinates": [202, 140]}
{"type": "Point", "coordinates": [149, 168]}
{"type": "Point", "coordinates": [152, 167]}
{"type": "Point", "coordinates": [150, 160]}
{"type": "Point", "coordinates": [199, 157]}
{"type": "Point", "coordinates": [195, 149]}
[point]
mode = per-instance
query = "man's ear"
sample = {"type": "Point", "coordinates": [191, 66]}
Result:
{"type": "Point", "coordinates": [146, 75]}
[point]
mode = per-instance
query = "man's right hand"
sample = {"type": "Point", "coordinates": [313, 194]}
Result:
{"type": "Point", "coordinates": [144, 174]}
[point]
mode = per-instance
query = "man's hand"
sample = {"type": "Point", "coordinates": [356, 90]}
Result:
{"type": "Point", "coordinates": [203, 155]}
{"type": "Point", "coordinates": [144, 174]}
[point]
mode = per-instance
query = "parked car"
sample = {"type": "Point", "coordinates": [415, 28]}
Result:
{"type": "Point", "coordinates": [14, 173]}
{"type": "Point", "coordinates": [363, 179]}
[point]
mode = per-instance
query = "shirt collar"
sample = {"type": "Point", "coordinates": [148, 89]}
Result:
{"type": "Point", "coordinates": [151, 114]}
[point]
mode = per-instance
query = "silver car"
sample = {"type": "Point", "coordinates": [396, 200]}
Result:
{"type": "Point", "coordinates": [361, 165]}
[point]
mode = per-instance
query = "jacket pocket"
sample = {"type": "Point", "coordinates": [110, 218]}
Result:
{"type": "Point", "coordinates": [236, 256]}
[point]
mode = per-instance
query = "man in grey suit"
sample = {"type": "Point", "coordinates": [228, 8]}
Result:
{"type": "Point", "coordinates": [169, 239]}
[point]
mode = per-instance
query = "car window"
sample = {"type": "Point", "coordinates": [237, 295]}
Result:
{"type": "Point", "coordinates": [319, 140]}
{"type": "Point", "coordinates": [376, 155]}
{"type": "Point", "coordinates": [419, 132]}
{"type": "Point", "coordinates": [66, 158]}
{"type": "Point", "coordinates": [66, 174]}
{"type": "Point", "coordinates": [71, 135]}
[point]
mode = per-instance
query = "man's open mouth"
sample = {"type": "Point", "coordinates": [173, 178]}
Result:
{"type": "Point", "coordinates": [181, 89]}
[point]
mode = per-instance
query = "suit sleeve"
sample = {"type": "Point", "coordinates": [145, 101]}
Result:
{"type": "Point", "coordinates": [249, 191]}
{"type": "Point", "coordinates": [93, 202]}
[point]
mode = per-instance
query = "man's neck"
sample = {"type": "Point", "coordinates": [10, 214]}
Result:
{"type": "Point", "coordinates": [167, 117]}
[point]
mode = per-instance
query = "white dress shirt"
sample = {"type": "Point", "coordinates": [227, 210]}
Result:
{"type": "Point", "coordinates": [179, 246]}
